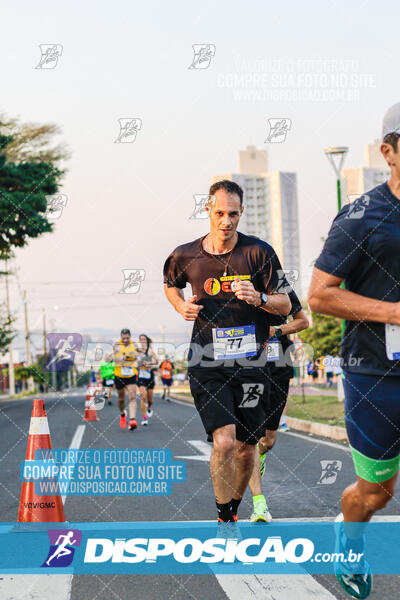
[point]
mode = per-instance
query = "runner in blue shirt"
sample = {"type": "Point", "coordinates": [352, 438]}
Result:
{"type": "Point", "coordinates": [363, 250]}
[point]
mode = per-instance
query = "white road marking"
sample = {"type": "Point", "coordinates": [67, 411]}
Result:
{"type": "Point", "coordinates": [75, 444]}
{"type": "Point", "coordinates": [35, 587]}
{"type": "Point", "coordinates": [181, 402]}
{"type": "Point", "coordinates": [41, 587]}
{"type": "Point", "coordinates": [273, 587]}
{"type": "Point", "coordinates": [202, 447]}
{"type": "Point", "coordinates": [317, 441]}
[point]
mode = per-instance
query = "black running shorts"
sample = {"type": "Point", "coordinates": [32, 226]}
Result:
{"type": "Point", "coordinates": [121, 382]}
{"type": "Point", "coordinates": [278, 393]}
{"type": "Point", "coordinates": [227, 397]}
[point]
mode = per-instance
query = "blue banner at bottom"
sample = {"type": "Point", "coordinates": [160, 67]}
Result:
{"type": "Point", "coordinates": [198, 547]}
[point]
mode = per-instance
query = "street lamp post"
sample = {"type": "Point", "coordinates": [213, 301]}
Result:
{"type": "Point", "coordinates": [336, 156]}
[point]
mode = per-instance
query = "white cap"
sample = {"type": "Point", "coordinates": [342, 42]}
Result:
{"type": "Point", "coordinates": [391, 120]}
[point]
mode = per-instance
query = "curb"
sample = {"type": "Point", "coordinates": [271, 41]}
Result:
{"type": "Point", "coordinates": [182, 398]}
{"type": "Point", "coordinates": [333, 432]}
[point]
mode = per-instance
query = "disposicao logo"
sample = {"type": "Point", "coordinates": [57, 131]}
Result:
{"type": "Point", "coordinates": [192, 550]}
{"type": "Point", "coordinates": [62, 547]}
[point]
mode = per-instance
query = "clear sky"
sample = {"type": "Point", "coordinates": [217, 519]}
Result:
{"type": "Point", "coordinates": [329, 67]}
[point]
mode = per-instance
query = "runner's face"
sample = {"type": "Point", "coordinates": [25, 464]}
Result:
{"type": "Point", "coordinates": [225, 215]}
{"type": "Point", "coordinates": [142, 341]}
{"type": "Point", "coordinates": [392, 157]}
{"type": "Point", "coordinates": [125, 338]}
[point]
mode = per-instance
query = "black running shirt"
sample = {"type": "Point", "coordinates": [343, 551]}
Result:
{"type": "Point", "coordinates": [226, 329]}
{"type": "Point", "coordinates": [363, 248]}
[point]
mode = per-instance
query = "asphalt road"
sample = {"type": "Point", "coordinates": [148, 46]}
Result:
{"type": "Point", "coordinates": [290, 485]}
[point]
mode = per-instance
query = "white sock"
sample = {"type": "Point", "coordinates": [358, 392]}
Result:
{"type": "Point", "coordinates": [283, 420]}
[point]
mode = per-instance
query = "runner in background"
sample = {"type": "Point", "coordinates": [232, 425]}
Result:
{"type": "Point", "coordinates": [328, 364]}
{"type": "Point", "coordinates": [281, 372]}
{"type": "Point", "coordinates": [125, 377]}
{"type": "Point", "coordinates": [146, 361]}
{"type": "Point", "coordinates": [107, 376]}
{"type": "Point", "coordinates": [167, 376]}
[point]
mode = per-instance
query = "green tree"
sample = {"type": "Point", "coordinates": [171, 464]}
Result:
{"type": "Point", "coordinates": [31, 143]}
{"type": "Point", "coordinates": [29, 172]}
{"type": "Point", "coordinates": [324, 335]}
{"type": "Point", "coordinates": [7, 334]}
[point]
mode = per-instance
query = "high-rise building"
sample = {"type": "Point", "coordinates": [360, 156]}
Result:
{"type": "Point", "coordinates": [270, 201]}
{"type": "Point", "coordinates": [373, 158]}
{"type": "Point", "coordinates": [359, 180]}
{"type": "Point", "coordinates": [253, 161]}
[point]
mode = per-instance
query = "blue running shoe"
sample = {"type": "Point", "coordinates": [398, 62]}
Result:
{"type": "Point", "coordinates": [355, 578]}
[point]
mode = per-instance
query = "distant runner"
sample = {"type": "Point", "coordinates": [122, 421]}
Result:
{"type": "Point", "coordinates": [125, 377]}
{"type": "Point", "coordinates": [146, 361]}
{"type": "Point", "coordinates": [167, 376]}
{"type": "Point", "coordinates": [107, 376]}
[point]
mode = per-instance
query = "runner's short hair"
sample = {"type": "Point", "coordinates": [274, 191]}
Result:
{"type": "Point", "coordinates": [229, 186]}
{"type": "Point", "coordinates": [392, 139]}
{"type": "Point", "coordinates": [124, 331]}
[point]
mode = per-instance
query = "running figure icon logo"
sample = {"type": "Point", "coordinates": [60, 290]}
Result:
{"type": "Point", "coordinates": [63, 347]}
{"type": "Point", "coordinates": [201, 203]}
{"type": "Point", "coordinates": [50, 53]}
{"type": "Point", "coordinates": [132, 280]}
{"type": "Point", "coordinates": [203, 54]}
{"type": "Point", "coordinates": [55, 205]}
{"type": "Point", "coordinates": [128, 129]}
{"type": "Point", "coordinates": [252, 393]}
{"type": "Point", "coordinates": [62, 547]}
{"type": "Point", "coordinates": [330, 471]}
{"type": "Point", "coordinates": [278, 129]}
{"type": "Point", "coordinates": [357, 208]}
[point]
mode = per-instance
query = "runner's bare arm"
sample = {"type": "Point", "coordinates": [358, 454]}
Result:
{"type": "Point", "coordinates": [278, 304]}
{"type": "Point", "coordinates": [325, 296]}
{"type": "Point", "coordinates": [299, 323]}
{"type": "Point", "coordinates": [187, 308]}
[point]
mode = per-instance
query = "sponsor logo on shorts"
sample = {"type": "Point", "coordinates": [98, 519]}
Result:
{"type": "Point", "coordinates": [384, 471]}
{"type": "Point", "coordinates": [212, 286]}
{"type": "Point", "coordinates": [252, 393]}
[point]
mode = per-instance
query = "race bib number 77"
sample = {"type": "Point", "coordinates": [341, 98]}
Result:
{"type": "Point", "coordinates": [234, 342]}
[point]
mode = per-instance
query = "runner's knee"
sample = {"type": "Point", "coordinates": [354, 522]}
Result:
{"type": "Point", "coordinates": [224, 443]}
{"type": "Point", "coordinates": [378, 499]}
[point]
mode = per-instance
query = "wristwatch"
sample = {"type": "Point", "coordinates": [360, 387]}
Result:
{"type": "Point", "coordinates": [278, 332]}
{"type": "Point", "coordinates": [263, 298]}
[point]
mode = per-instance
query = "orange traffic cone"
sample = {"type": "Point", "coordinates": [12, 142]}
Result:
{"type": "Point", "coordinates": [33, 508]}
{"type": "Point", "coordinates": [90, 405]}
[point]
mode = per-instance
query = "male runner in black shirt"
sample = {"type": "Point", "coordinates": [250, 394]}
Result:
{"type": "Point", "coordinates": [234, 279]}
